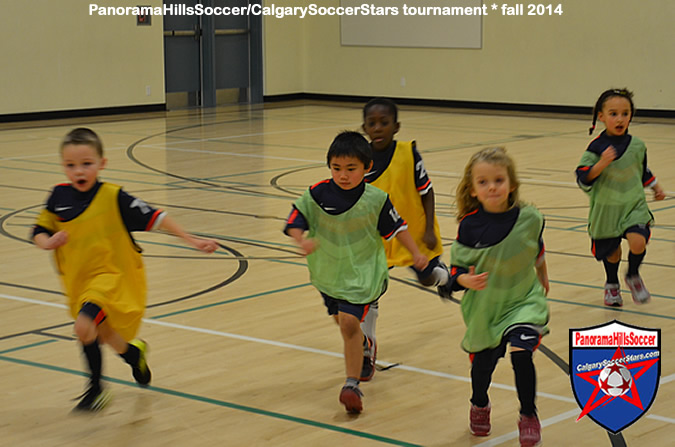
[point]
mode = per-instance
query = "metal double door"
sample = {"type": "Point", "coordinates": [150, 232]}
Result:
{"type": "Point", "coordinates": [205, 53]}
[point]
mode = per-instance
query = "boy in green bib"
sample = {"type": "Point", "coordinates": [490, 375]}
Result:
{"type": "Point", "coordinates": [346, 221]}
{"type": "Point", "coordinates": [613, 172]}
{"type": "Point", "coordinates": [498, 258]}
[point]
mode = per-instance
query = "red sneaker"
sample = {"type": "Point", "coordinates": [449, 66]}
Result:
{"type": "Point", "coordinates": [530, 431]}
{"type": "Point", "coordinates": [350, 397]}
{"type": "Point", "coordinates": [479, 420]}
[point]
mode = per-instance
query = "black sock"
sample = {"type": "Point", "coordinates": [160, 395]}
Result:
{"type": "Point", "coordinates": [92, 352]}
{"type": "Point", "coordinates": [612, 271]}
{"type": "Point", "coordinates": [132, 355]}
{"type": "Point", "coordinates": [526, 381]}
{"type": "Point", "coordinates": [482, 367]}
{"type": "Point", "coordinates": [634, 262]}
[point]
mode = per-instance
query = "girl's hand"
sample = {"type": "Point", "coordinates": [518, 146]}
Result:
{"type": "Point", "coordinates": [473, 281]}
{"type": "Point", "coordinates": [420, 261]}
{"type": "Point", "coordinates": [56, 240]}
{"type": "Point", "coordinates": [608, 155]}
{"type": "Point", "coordinates": [659, 193]}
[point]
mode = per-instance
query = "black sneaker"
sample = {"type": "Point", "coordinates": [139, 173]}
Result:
{"type": "Point", "coordinates": [93, 400]}
{"type": "Point", "coordinates": [369, 357]}
{"type": "Point", "coordinates": [141, 370]}
{"type": "Point", "coordinates": [445, 292]}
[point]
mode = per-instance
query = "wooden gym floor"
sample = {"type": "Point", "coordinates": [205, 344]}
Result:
{"type": "Point", "coordinates": [242, 351]}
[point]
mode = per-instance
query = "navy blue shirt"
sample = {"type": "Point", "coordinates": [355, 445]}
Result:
{"type": "Point", "coordinates": [335, 200]}
{"type": "Point", "coordinates": [68, 203]}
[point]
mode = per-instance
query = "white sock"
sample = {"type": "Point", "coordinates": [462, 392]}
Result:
{"type": "Point", "coordinates": [368, 324]}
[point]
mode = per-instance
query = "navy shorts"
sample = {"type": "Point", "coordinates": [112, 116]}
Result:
{"type": "Point", "coordinates": [94, 312]}
{"type": "Point", "coordinates": [424, 274]}
{"type": "Point", "coordinates": [524, 337]}
{"type": "Point", "coordinates": [602, 248]}
{"type": "Point", "coordinates": [334, 305]}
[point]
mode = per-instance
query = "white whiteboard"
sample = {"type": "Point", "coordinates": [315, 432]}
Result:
{"type": "Point", "coordinates": [422, 31]}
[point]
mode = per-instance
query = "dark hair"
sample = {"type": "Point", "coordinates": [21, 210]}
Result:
{"type": "Point", "coordinates": [82, 135]}
{"type": "Point", "coordinates": [612, 92]}
{"type": "Point", "coordinates": [350, 144]}
{"type": "Point", "coordinates": [388, 103]}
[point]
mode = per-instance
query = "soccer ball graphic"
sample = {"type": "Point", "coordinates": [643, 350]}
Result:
{"type": "Point", "coordinates": [615, 380]}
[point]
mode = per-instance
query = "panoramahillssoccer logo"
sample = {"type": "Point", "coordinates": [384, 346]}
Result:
{"type": "Point", "coordinates": [615, 370]}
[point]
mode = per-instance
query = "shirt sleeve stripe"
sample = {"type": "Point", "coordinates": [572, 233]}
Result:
{"type": "Point", "coordinates": [396, 231]}
{"type": "Point", "coordinates": [292, 217]}
{"type": "Point", "coordinates": [426, 185]}
{"type": "Point", "coordinates": [154, 220]}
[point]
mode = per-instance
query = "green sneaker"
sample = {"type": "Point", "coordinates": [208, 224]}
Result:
{"type": "Point", "coordinates": [141, 370]}
{"type": "Point", "coordinates": [93, 400]}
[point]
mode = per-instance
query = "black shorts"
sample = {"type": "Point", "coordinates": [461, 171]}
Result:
{"type": "Point", "coordinates": [94, 312]}
{"type": "Point", "coordinates": [334, 306]}
{"type": "Point", "coordinates": [602, 248]}
{"type": "Point", "coordinates": [521, 336]}
{"type": "Point", "coordinates": [423, 274]}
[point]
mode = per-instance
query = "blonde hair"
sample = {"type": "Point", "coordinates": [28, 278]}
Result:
{"type": "Point", "coordinates": [494, 155]}
{"type": "Point", "coordinates": [84, 136]}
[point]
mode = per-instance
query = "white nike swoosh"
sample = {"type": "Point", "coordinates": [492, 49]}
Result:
{"type": "Point", "coordinates": [329, 208]}
{"type": "Point", "coordinates": [525, 337]}
{"type": "Point", "coordinates": [58, 209]}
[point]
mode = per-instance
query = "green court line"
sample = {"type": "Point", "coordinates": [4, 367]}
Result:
{"type": "Point", "coordinates": [221, 403]}
{"type": "Point", "coordinates": [233, 300]}
{"type": "Point", "coordinates": [32, 345]}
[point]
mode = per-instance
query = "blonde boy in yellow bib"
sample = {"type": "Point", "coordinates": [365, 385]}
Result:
{"type": "Point", "coordinates": [88, 224]}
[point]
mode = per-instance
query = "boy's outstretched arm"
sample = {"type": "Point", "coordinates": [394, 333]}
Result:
{"type": "Point", "coordinates": [205, 245]}
{"type": "Point", "coordinates": [419, 260]}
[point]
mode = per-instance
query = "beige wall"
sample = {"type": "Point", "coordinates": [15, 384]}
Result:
{"type": "Point", "coordinates": [55, 56]}
{"type": "Point", "coordinates": [61, 58]}
{"type": "Point", "coordinates": [560, 60]}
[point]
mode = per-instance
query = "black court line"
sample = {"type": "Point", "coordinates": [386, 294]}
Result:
{"type": "Point", "coordinates": [274, 181]}
{"type": "Point", "coordinates": [132, 157]}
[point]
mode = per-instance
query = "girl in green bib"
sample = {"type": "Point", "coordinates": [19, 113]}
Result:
{"type": "Point", "coordinates": [613, 172]}
{"type": "Point", "coordinates": [498, 259]}
{"type": "Point", "coordinates": [345, 221]}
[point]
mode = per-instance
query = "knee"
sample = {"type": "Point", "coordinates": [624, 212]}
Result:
{"type": "Point", "coordinates": [638, 245]}
{"type": "Point", "coordinates": [428, 281]}
{"type": "Point", "coordinates": [85, 329]}
{"type": "Point", "coordinates": [349, 325]}
{"type": "Point", "coordinates": [615, 256]}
